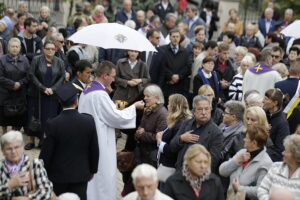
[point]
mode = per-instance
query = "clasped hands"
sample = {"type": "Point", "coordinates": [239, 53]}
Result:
{"type": "Point", "coordinates": [134, 82]}
{"type": "Point", "coordinates": [48, 91]}
{"type": "Point", "coordinates": [174, 79]}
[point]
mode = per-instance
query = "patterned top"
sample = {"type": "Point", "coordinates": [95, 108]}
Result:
{"type": "Point", "coordinates": [236, 88]}
{"type": "Point", "coordinates": [41, 182]}
{"type": "Point", "coordinates": [278, 177]}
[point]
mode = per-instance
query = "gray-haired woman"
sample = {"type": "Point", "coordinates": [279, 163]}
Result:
{"type": "Point", "coordinates": [13, 86]}
{"type": "Point", "coordinates": [18, 171]}
{"type": "Point", "coordinates": [154, 120]}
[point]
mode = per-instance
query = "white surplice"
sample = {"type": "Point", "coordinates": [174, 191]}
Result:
{"type": "Point", "coordinates": [107, 118]}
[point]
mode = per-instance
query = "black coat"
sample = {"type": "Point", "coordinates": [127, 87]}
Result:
{"type": "Point", "coordinates": [156, 68]}
{"type": "Point", "coordinates": [37, 73]}
{"type": "Point", "coordinates": [70, 151]}
{"type": "Point", "coordinates": [294, 119]}
{"type": "Point", "coordinates": [12, 71]}
{"type": "Point", "coordinates": [211, 138]}
{"type": "Point", "coordinates": [178, 188]}
{"type": "Point", "coordinates": [168, 158]}
{"type": "Point", "coordinates": [37, 46]}
{"type": "Point", "coordinates": [279, 130]}
{"type": "Point", "coordinates": [161, 12]}
{"type": "Point", "coordinates": [176, 64]}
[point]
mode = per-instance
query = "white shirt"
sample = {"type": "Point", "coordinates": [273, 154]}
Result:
{"type": "Point", "coordinates": [268, 25]}
{"type": "Point", "coordinates": [208, 16]}
{"type": "Point", "coordinates": [206, 75]}
{"type": "Point", "coordinates": [165, 5]}
{"type": "Point", "coordinates": [132, 64]}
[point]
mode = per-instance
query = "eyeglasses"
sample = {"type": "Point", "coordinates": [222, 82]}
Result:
{"type": "Point", "coordinates": [50, 49]}
{"type": "Point", "coordinates": [275, 56]}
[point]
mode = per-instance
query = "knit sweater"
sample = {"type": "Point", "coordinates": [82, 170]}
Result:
{"type": "Point", "coordinates": [278, 177]}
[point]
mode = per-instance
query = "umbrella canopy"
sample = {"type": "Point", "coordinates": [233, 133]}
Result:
{"type": "Point", "coordinates": [292, 30]}
{"type": "Point", "coordinates": [112, 36]}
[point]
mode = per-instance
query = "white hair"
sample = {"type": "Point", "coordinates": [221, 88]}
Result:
{"type": "Point", "coordinates": [248, 60]}
{"type": "Point", "coordinates": [68, 196]}
{"type": "Point", "coordinates": [14, 39]}
{"type": "Point", "coordinates": [130, 24]}
{"type": "Point", "coordinates": [46, 8]}
{"type": "Point", "coordinates": [99, 8]}
{"type": "Point", "coordinates": [269, 10]}
{"type": "Point", "coordinates": [255, 98]}
{"type": "Point", "coordinates": [145, 171]}
{"type": "Point", "coordinates": [156, 91]}
{"type": "Point", "coordinates": [11, 137]}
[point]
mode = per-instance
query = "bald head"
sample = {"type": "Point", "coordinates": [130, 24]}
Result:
{"type": "Point", "coordinates": [281, 194]}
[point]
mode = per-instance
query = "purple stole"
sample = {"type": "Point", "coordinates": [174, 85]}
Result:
{"type": "Point", "coordinates": [260, 69]}
{"type": "Point", "coordinates": [93, 86]}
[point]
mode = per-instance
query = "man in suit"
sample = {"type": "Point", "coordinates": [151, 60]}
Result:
{"type": "Point", "coordinates": [155, 60]}
{"type": "Point", "coordinates": [193, 20]}
{"type": "Point", "coordinates": [177, 66]}
{"type": "Point", "coordinates": [83, 74]}
{"type": "Point", "coordinates": [70, 151]}
{"type": "Point", "coordinates": [267, 24]}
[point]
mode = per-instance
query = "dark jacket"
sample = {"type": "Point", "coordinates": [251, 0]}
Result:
{"type": "Point", "coordinates": [38, 70]}
{"type": "Point", "coordinates": [161, 12]}
{"type": "Point", "coordinates": [124, 73]}
{"type": "Point", "coordinates": [60, 54]}
{"type": "Point", "coordinates": [168, 158]}
{"type": "Point", "coordinates": [70, 151]}
{"type": "Point", "coordinates": [178, 188]}
{"type": "Point", "coordinates": [50, 22]}
{"type": "Point", "coordinates": [122, 17]}
{"type": "Point", "coordinates": [211, 138]}
{"type": "Point", "coordinates": [262, 26]}
{"type": "Point", "coordinates": [12, 71]}
{"type": "Point", "coordinates": [288, 86]}
{"type": "Point", "coordinates": [152, 123]}
{"type": "Point", "coordinates": [279, 130]}
{"type": "Point", "coordinates": [176, 64]}
{"type": "Point", "coordinates": [37, 46]}
{"type": "Point", "coordinates": [294, 119]}
{"type": "Point", "coordinates": [250, 42]}
{"type": "Point", "coordinates": [156, 69]}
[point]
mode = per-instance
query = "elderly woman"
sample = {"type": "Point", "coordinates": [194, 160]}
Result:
{"type": "Point", "coordinates": [254, 99]}
{"type": "Point", "coordinates": [154, 120]}
{"type": "Point", "coordinates": [206, 76]}
{"type": "Point", "coordinates": [236, 85]}
{"type": "Point", "coordinates": [249, 165]}
{"type": "Point", "coordinates": [206, 90]}
{"type": "Point", "coordinates": [233, 18]}
{"type": "Point", "coordinates": [132, 76]}
{"type": "Point", "coordinates": [45, 21]}
{"type": "Point", "coordinates": [178, 111]}
{"type": "Point", "coordinates": [98, 15]}
{"type": "Point", "coordinates": [240, 53]}
{"type": "Point", "coordinates": [47, 73]}
{"type": "Point", "coordinates": [195, 181]}
{"type": "Point", "coordinates": [284, 174]}
{"type": "Point", "coordinates": [13, 86]}
{"type": "Point", "coordinates": [19, 173]}
{"type": "Point", "coordinates": [277, 119]}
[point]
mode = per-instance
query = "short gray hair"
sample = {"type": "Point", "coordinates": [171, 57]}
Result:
{"type": "Point", "coordinates": [169, 16]}
{"type": "Point", "coordinates": [236, 108]}
{"type": "Point", "coordinates": [68, 196]}
{"type": "Point", "coordinates": [144, 170]}
{"type": "Point", "coordinates": [130, 23]}
{"type": "Point", "coordinates": [156, 91]}
{"type": "Point", "coordinates": [10, 137]}
{"type": "Point", "coordinates": [99, 8]}
{"type": "Point", "coordinates": [14, 39]}
{"type": "Point", "coordinates": [293, 143]}
{"type": "Point", "coordinates": [255, 98]}
{"type": "Point", "coordinates": [200, 98]}
{"type": "Point", "coordinates": [269, 10]}
{"type": "Point", "coordinates": [56, 36]}
{"type": "Point", "coordinates": [45, 8]}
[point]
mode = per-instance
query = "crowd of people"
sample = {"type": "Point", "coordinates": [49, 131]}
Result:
{"type": "Point", "coordinates": [206, 117]}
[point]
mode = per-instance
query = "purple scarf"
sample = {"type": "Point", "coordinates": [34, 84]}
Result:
{"type": "Point", "coordinates": [14, 168]}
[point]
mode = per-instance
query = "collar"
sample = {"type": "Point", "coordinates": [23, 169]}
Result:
{"type": "Point", "coordinates": [69, 109]}
{"type": "Point", "coordinates": [83, 84]}
{"type": "Point", "coordinates": [195, 18]}
{"type": "Point", "coordinates": [132, 63]}
{"type": "Point", "coordinates": [206, 74]}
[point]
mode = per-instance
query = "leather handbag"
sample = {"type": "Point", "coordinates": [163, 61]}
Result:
{"type": "Point", "coordinates": [125, 161]}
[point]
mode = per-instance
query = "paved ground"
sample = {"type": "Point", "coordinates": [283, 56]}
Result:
{"type": "Point", "coordinates": [34, 153]}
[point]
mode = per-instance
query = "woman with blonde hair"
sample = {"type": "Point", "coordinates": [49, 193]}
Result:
{"type": "Point", "coordinates": [98, 15]}
{"type": "Point", "coordinates": [236, 85]}
{"type": "Point", "coordinates": [233, 18]}
{"type": "Point", "coordinates": [195, 181]}
{"type": "Point", "coordinates": [178, 111]}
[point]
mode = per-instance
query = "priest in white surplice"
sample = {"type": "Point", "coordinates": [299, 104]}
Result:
{"type": "Point", "coordinates": [95, 100]}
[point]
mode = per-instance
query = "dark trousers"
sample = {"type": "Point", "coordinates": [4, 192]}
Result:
{"type": "Point", "coordinates": [77, 188]}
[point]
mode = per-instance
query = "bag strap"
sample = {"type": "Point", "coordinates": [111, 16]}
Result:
{"type": "Point", "coordinates": [31, 184]}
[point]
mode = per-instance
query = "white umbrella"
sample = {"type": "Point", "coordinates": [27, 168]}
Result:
{"type": "Point", "coordinates": [112, 36]}
{"type": "Point", "coordinates": [292, 30]}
